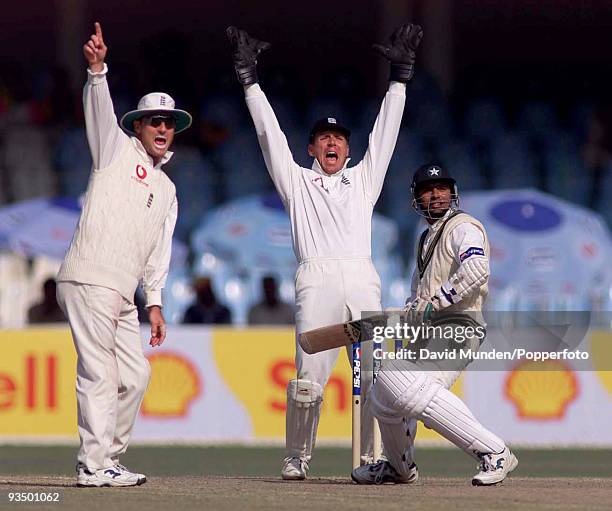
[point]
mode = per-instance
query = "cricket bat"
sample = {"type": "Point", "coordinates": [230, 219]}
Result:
{"type": "Point", "coordinates": [342, 334]}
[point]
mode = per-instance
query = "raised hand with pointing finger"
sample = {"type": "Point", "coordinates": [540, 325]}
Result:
{"type": "Point", "coordinates": [95, 50]}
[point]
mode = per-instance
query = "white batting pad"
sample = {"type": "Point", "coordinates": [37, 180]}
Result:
{"type": "Point", "coordinates": [304, 399]}
{"type": "Point", "coordinates": [451, 418]}
{"type": "Point", "coordinates": [402, 391]}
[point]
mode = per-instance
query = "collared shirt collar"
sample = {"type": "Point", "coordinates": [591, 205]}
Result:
{"type": "Point", "coordinates": [140, 148]}
{"type": "Point", "coordinates": [316, 166]}
{"type": "Point", "coordinates": [438, 223]}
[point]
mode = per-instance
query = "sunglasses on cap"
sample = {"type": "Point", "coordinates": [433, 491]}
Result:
{"type": "Point", "coordinates": [156, 120]}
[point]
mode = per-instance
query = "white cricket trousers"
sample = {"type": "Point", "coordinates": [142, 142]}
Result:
{"type": "Point", "coordinates": [112, 371]}
{"type": "Point", "coordinates": [330, 291]}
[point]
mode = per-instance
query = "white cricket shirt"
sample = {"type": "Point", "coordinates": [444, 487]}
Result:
{"type": "Point", "coordinates": [331, 216]}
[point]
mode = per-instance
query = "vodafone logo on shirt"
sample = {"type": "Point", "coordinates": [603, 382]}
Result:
{"type": "Point", "coordinates": [140, 175]}
{"type": "Point", "coordinates": [141, 172]}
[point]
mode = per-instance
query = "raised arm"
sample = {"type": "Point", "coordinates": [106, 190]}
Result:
{"type": "Point", "coordinates": [273, 143]}
{"type": "Point", "coordinates": [103, 133]}
{"type": "Point", "coordinates": [401, 54]}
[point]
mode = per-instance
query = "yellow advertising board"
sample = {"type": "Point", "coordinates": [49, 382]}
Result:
{"type": "Point", "coordinates": [205, 380]}
{"type": "Point", "coordinates": [37, 383]}
{"type": "Point", "coordinates": [256, 365]}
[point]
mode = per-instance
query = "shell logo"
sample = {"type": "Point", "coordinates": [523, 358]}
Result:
{"type": "Point", "coordinates": [174, 385]}
{"type": "Point", "coordinates": [541, 390]}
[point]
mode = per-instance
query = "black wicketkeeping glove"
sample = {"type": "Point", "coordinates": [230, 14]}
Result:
{"type": "Point", "coordinates": [244, 51]}
{"type": "Point", "coordinates": [401, 52]}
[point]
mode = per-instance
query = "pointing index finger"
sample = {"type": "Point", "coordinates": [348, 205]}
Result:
{"type": "Point", "coordinates": [99, 32]}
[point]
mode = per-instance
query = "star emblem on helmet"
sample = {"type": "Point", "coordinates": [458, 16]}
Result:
{"type": "Point", "coordinates": [434, 171]}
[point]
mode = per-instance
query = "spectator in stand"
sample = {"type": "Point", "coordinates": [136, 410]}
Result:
{"type": "Point", "coordinates": [598, 150]}
{"type": "Point", "coordinates": [206, 309]}
{"type": "Point", "coordinates": [47, 311]}
{"type": "Point", "coordinates": [271, 310]}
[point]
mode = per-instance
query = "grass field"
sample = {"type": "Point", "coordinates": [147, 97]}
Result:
{"type": "Point", "coordinates": [228, 478]}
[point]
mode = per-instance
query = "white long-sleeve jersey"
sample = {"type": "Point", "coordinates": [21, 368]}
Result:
{"type": "Point", "coordinates": [460, 266]}
{"type": "Point", "coordinates": [111, 267]}
{"type": "Point", "coordinates": [331, 216]}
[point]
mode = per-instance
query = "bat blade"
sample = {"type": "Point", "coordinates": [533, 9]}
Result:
{"type": "Point", "coordinates": [336, 336]}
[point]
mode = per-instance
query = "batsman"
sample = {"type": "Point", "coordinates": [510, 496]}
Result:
{"type": "Point", "coordinates": [330, 206]}
{"type": "Point", "coordinates": [450, 282]}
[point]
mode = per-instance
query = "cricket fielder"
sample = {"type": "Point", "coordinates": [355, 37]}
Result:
{"type": "Point", "coordinates": [124, 235]}
{"type": "Point", "coordinates": [451, 276]}
{"type": "Point", "coordinates": [330, 207]}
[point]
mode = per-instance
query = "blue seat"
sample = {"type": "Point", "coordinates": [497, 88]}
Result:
{"type": "Point", "coordinates": [603, 206]}
{"type": "Point", "coordinates": [512, 164]}
{"type": "Point", "coordinates": [396, 198]}
{"type": "Point", "coordinates": [537, 119]}
{"type": "Point", "coordinates": [286, 113]}
{"type": "Point", "coordinates": [463, 165]}
{"type": "Point", "coordinates": [243, 167]}
{"type": "Point", "coordinates": [298, 143]}
{"type": "Point", "coordinates": [194, 177]}
{"type": "Point", "coordinates": [580, 118]}
{"type": "Point", "coordinates": [430, 119]}
{"type": "Point", "coordinates": [484, 120]}
{"type": "Point", "coordinates": [566, 174]}
{"type": "Point", "coordinates": [358, 145]}
{"type": "Point", "coordinates": [27, 160]}
{"type": "Point", "coordinates": [73, 162]}
{"type": "Point", "coordinates": [366, 115]}
{"type": "Point", "coordinates": [229, 112]}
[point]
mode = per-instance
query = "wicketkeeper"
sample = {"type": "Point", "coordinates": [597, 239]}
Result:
{"type": "Point", "coordinates": [330, 206]}
{"type": "Point", "coordinates": [450, 282]}
{"type": "Point", "coordinates": [124, 235]}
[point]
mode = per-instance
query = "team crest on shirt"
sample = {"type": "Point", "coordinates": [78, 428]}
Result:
{"type": "Point", "coordinates": [140, 175]}
{"type": "Point", "coordinates": [319, 181]}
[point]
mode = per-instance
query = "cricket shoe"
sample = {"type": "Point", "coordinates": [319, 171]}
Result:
{"type": "Point", "coordinates": [494, 468]}
{"type": "Point", "coordinates": [123, 469]}
{"type": "Point", "coordinates": [383, 472]}
{"type": "Point", "coordinates": [107, 477]}
{"type": "Point", "coordinates": [294, 469]}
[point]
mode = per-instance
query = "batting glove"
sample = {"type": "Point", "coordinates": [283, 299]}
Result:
{"type": "Point", "coordinates": [419, 311]}
{"type": "Point", "coordinates": [401, 52]}
{"type": "Point", "coordinates": [245, 50]}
